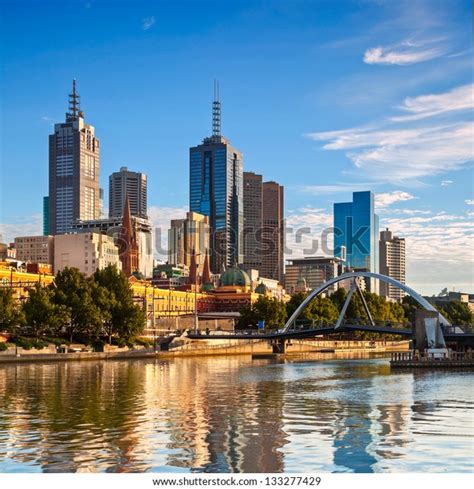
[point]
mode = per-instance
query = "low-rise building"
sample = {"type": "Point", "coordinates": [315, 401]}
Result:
{"type": "Point", "coordinates": [87, 252]}
{"type": "Point", "coordinates": [35, 249]}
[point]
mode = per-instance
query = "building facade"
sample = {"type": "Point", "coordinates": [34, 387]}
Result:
{"type": "Point", "coordinates": [35, 249]}
{"type": "Point", "coordinates": [45, 216]}
{"type": "Point", "coordinates": [273, 232]}
{"type": "Point", "coordinates": [113, 227]}
{"type": "Point", "coordinates": [128, 183]}
{"type": "Point", "coordinates": [253, 220]}
{"type": "Point", "coordinates": [216, 191]}
{"type": "Point", "coordinates": [74, 153]}
{"type": "Point", "coordinates": [392, 263]}
{"type": "Point", "coordinates": [87, 252]}
{"type": "Point", "coordinates": [356, 235]}
{"type": "Point", "coordinates": [186, 236]}
{"type": "Point", "coordinates": [314, 271]}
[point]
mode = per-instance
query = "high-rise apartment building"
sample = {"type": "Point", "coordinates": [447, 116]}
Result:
{"type": "Point", "coordinates": [356, 231]}
{"type": "Point", "coordinates": [253, 220]}
{"type": "Point", "coordinates": [392, 263]}
{"type": "Point", "coordinates": [273, 232]}
{"type": "Point", "coordinates": [73, 170]}
{"type": "Point", "coordinates": [128, 183]}
{"type": "Point", "coordinates": [216, 191]}
{"type": "Point", "coordinates": [188, 236]}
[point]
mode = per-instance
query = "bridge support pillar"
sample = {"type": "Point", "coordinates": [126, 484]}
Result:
{"type": "Point", "coordinates": [279, 346]}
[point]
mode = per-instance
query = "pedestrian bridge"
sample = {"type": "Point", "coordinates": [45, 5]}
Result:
{"type": "Point", "coordinates": [292, 330]}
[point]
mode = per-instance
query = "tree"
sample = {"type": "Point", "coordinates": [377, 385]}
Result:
{"type": "Point", "coordinates": [11, 315]}
{"type": "Point", "coordinates": [42, 314]}
{"type": "Point", "coordinates": [322, 310]}
{"type": "Point", "coordinates": [270, 310]}
{"type": "Point", "coordinates": [114, 297]}
{"type": "Point", "coordinates": [74, 291]}
{"type": "Point", "coordinates": [457, 313]}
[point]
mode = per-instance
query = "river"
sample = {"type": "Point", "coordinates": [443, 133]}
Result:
{"type": "Point", "coordinates": [234, 414]}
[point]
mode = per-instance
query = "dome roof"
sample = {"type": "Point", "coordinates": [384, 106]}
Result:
{"type": "Point", "coordinates": [234, 276]}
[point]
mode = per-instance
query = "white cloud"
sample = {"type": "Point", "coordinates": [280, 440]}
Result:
{"type": "Point", "coordinates": [336, 188]}
{"type": "Point", "coordinates": [400, 55]}
{"type": "Point", "coordinates": [457, 99]}
{"type": "Point", "coordinates": [148, 22]}
{"type": "Point", "coordinates": [22, 226]}
{"type": "Point", "coordinates": [446, 183]}
{"type": "Point", "coordinates": [391, 153]}
{"type": "Point", "coordinates": [386, 199]}
{"type": "Point", "coordinates": [469, 201]}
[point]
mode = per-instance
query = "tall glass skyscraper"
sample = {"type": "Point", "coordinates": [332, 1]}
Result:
{"type": "Point", "coordinates": [356, 231]}
{"type": "Point", "coordinates": [216, 191]}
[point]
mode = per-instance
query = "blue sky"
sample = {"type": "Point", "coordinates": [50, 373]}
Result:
{"type": "Point", "coordinates": [325, 97]}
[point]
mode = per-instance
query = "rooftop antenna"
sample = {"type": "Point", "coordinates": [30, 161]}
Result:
{"type": "Point", "coordinates": [74, 103]}
{"type": "Point", "coordinates": [216, 111]}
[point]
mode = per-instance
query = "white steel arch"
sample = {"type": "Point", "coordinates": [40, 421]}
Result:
{"type": "Point", "coordinates": [353, 275]}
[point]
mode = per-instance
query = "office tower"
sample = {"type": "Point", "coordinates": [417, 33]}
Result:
{"type": "Point", "coordinates": [315, 271]}
{"type": "Point", "coordinates": [45, 216]}
{"type": "Point", "coordinates": [216, 191]}
{"type": "Point", "coordinates": [253, 220]}
{"type": "Point", "coordinates": [356, 234]}
{"type": "Point", "coordinates": [273, 234]}
{"type": "Point", "coordinates": [392, 263]}
{"type": "Point", "coordinates": [188, 235]}
{"type": "Point", "coordinates": [133, 184]}
{"type": "Point", "coordinates": [73, 170]}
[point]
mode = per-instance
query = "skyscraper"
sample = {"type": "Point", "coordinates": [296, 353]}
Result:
{"type": "Point", "coordinates": [356, 234]}
{"type": "Point", "coordinates": [392, 263]}
{"type": "Point", "coordinates": [253, 220]}
{"type": "Point", "coordinates": [273, 233]}
{"type": "Point", "coordinates": [73, 170]}
{"type": "Point", "coordinates": [216, 191]}
{"type": "Point", "coordinates": [129, 183]}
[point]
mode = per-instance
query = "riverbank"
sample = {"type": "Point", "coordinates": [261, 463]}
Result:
{"type": "Point", "coordinates": [212, 348]}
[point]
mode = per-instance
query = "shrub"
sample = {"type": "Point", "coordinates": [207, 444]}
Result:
{"type": "Point", "coordinates": [147, 343]}
{"type": "Point", "coordinates": [3, 346]}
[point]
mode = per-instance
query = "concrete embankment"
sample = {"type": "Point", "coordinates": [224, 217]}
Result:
{"type": "Point", "coordinates": [189, 348]}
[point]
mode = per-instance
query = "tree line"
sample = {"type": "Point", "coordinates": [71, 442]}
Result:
{"type": "Point", "coordinates": [74, 307]}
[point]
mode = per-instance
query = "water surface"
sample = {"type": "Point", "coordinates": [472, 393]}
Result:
{"type": "Point", "coordinates": [234, 415]}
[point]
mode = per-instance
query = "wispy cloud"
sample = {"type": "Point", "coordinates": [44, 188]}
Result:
{"type": "Point", "coordinates": [336, 188]}
{"type": "Point", "coordinates": [386, 199]}
{"type": "Point", "coordinates": [405, 53]}
{"type": "Point", "coordinates": [469, 201]}
{"type": "Point", "coordinates": [148, 22]}
{"type": "Point", "coordinates": [446, 183]}
{"type": "Point", "coordinates": [394, 153]}
{"type": "Point", "coordinates": [21, 226]}
{"type": "Point", "coordinates": [424, 106]}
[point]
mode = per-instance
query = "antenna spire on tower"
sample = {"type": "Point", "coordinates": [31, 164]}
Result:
{"type": "Point", "coordinates": [216, 111]}
{"type": "Point", "coordinates": [74, 103]}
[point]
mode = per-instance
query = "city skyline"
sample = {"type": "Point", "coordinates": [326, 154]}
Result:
{"type": "Point", "coordinates": [308, 157]}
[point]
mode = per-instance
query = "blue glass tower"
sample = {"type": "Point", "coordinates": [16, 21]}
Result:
{"type": "Point", "coordinates": [216, 190]}
{"type": "Point", "coordinates": [356, 231]}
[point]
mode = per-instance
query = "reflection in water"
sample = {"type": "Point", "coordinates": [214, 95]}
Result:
{"type": "Point", "coordinates": [233, 415]}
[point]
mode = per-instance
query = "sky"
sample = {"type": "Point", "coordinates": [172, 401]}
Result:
{"type": "Point", "coordinates": [325, 97]}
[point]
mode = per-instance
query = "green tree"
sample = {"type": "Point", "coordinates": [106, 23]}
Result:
{"type": "Point", "coordinates": [457, 313]}
{"type": "Point", "coordinates": [321, 310]}
{"type": "Point", "coordinates": [42, 315]}
{"type": "Point", "coordinates": [11, 315]}
{"type": "Point", "coordinates": [74, 291]}
{"type": "Point", "coordinates": [114, 298]}
{"type": "Point", "coordinates": [271, 310]}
